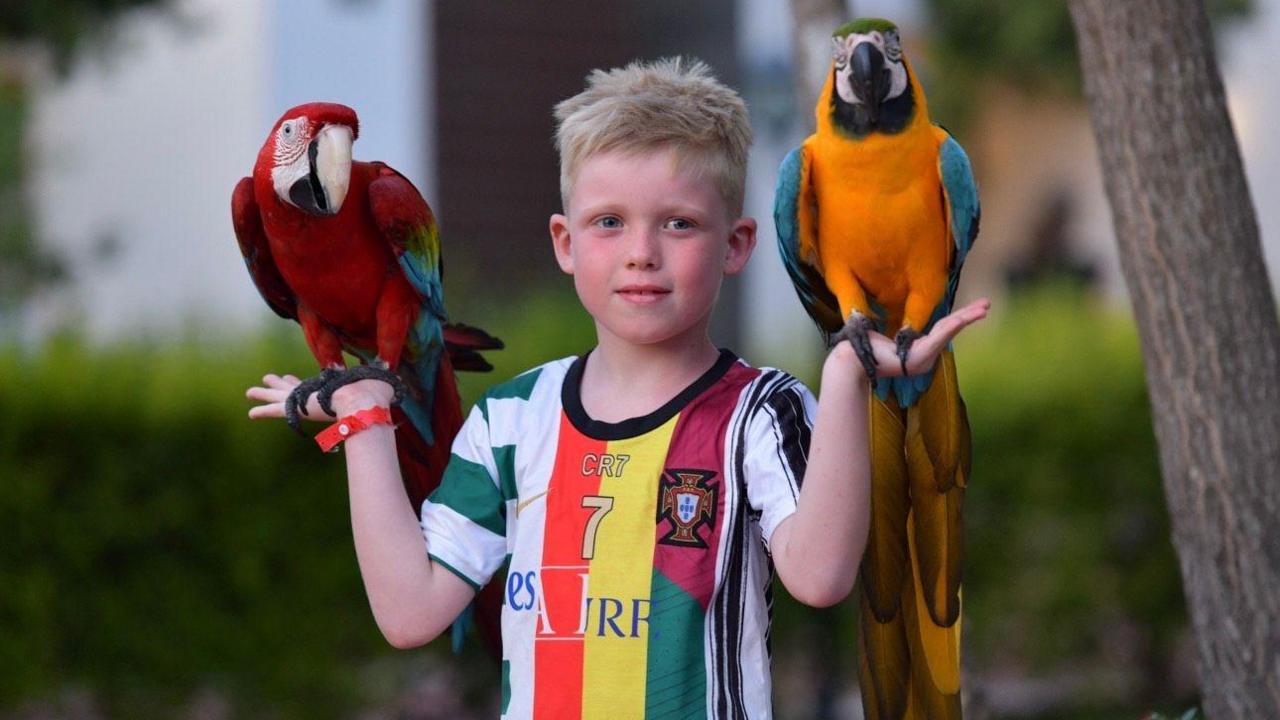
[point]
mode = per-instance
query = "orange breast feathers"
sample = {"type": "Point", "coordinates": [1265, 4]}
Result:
{"type": "Point", "coordinates": [881, 223]}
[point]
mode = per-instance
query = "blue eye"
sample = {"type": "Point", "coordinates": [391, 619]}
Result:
{"type": "Point", "coordinates": [680, 224]}
{"type": "Point", "coordinates": [609, 222]}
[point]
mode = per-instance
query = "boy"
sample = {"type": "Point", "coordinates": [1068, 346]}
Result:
{"type": "Point", "coordinates": [564, 469]}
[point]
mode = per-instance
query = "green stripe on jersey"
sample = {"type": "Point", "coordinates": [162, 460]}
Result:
{"type": "Point", "coordinates": [468, 490]}
{"type": "Point", "coordinates": [506, 685]}
{"type": "Point", "coordinates": [676, 677]}
{"type": "Point", "coordinates": [461, 575]}
{"type": "Point", "coordinates": [519, 387]}
{"type": "Point", "coordinates": [505, 459]}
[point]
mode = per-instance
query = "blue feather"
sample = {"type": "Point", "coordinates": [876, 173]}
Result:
{"type": "Point", "coordinates": [812, 289]}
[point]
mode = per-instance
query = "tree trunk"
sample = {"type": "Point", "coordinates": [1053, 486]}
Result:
{"type": "Point", "coordinates": [814, 22]}
{"type": "Point", "coordinates": [1190, 251]}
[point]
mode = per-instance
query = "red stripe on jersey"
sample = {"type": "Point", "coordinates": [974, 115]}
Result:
{"type": "Point", "coordinates": [696, 462]}
{"type": "Point", "coordinates": [558, 649]}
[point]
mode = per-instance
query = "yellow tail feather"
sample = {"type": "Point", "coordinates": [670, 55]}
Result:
{"type": "Point", "coordinates": [886, 681]}
{"type": "Point", "coordinates": [939, 645]}
{"type": "Point", "coordinates": [884, 565]}
{"type": "Point", "coordinates": [939, 417]}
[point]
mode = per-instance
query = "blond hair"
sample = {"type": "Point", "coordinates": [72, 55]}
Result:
{"type": "Point", "coordinates": [670, 103]}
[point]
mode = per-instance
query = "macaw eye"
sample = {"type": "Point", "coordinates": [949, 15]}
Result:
{"type": "Point", "coordinates": [288, 129]}
{"type": "Point", "coordinates": [892, 46]}
{"type": "Point", "coordinates": [839, 52]}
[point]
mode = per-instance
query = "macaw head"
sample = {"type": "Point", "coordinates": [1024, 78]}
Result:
{"type": "Point", "coordinates": [871, 80]}
{"type": "Point", "coordinates": [308, 154]}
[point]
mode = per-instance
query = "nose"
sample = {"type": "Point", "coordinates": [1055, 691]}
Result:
{"type": "Point", "coordinates": [644, 251]}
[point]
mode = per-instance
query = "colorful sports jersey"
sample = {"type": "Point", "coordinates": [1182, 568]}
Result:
{"type": "Point", "coordinates": [638, 580]}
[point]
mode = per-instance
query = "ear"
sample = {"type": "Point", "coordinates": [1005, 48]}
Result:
{"type": "Point", "coordinates": [560, 242]}
{"type": "Point", "coordinates": [741, 242]}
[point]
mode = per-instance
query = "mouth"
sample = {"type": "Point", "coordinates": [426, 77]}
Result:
{"type": "Point", "coordinates": [642, 294]}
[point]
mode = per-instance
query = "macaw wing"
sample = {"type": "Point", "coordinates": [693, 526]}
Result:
{"type": "Point", "coordinates": [794, 216]}
{"type": "Point", "coordinates": [407, 223]}
{"type": "Point", "coordinates": [247, 221]}
{"type": "Point", "coordinates": [960, 192]}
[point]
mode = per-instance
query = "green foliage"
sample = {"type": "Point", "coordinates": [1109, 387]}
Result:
{"type": "Point", "coordinates": [63, 25]}
{"type": "Point", "coordinates": [23, 266]}
{"type": "Point", "coordinates": [1066, 532]}
{"type": "Point", "coordinates": [158, 543]}
{"type": "Point", "coordinates": [1028, 44]}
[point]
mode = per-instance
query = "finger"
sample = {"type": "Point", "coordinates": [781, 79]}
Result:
{"type": "Point", "coordinates": [265, 394]}
{"type": "Point", "coordinates": [926, 349]}
{"type": "Point", "coordinates": [951, 325]}
{"type": "Point", "coordinates": [274, 410]}
{"type": "Point", "coordinates": [278, 382]}
{"type": "Point", "coordinates": [886, 352]}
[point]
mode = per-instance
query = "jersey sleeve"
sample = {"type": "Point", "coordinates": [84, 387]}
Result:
{"type": "Point", "coordinates": [777, 452]}
{"type": "Point", "coordinates": [464, 520]}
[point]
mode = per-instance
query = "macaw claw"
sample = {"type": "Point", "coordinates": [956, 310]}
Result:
{"type": "Point", "coordinates": [360, 372]}
{"type": "Point", "coordinates": [904, 339]}
{"type": "Point", "coordinates": [296, 403]}
{"type": "Point", "coordinates": [857, 331]}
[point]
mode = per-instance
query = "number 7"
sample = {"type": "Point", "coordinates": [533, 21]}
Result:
{"type": "Point", "coordinates": [602, 505]}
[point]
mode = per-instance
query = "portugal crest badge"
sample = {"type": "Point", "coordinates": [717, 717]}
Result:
{"type": "Point", "coordinates": [688, 500]}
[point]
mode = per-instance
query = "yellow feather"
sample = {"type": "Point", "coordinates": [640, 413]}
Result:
{"type": "Point", "coordinates": [939, 645]}
{"type": "Point", "coordinates": [941, 421]}
{"type": "Point", "coordinates": [885, 666]}
{"type": "Point", "coordinates": [884, 564]}
{"type": "Point", "coordinates": [937, 550]}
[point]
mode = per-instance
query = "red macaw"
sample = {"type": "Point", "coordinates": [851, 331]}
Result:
{"type": "Point", "coordinates": [875, 214]}
{"type": "Point", "coordinates": [350, 250]}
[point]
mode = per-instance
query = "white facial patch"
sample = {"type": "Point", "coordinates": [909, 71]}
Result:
{"type": "Point", "coordinates": [888, 44]}
{"type": "Point", "coordinates": [289, 161]}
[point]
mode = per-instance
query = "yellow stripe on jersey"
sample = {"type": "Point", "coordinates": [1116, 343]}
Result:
{"type": "Point", "coordinates": [617, 637]}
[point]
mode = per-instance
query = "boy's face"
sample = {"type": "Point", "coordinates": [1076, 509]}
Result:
{"type": "Point", "coordinates": [648, 245]}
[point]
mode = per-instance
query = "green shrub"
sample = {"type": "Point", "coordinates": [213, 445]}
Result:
{"type": "Point", "coordinates": [157, 543]}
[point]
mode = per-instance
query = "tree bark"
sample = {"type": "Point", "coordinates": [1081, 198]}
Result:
{"type": "Point", "coordinates": [813, 23]}
{"type": "Point", "coordinates": [1189, 246]}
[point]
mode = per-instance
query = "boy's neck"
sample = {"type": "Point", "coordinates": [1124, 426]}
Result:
{"type": "Point", "coordinates": [622, 380]}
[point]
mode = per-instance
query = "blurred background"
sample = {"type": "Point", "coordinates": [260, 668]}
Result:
{"type": "Point", "coordinates": [161, 556]}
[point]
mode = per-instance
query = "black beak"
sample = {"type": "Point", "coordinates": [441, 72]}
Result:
{"type": "Point", "coordinates": [870, 78]}
{"type": "Point", "coordinates": [307, 193]}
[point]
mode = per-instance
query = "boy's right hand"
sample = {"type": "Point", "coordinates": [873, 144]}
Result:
{"type": "Point", "coordinates": [348, 399]}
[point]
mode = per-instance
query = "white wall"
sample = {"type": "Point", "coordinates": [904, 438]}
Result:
{"type": "Point", "coordinates": [145, 145]}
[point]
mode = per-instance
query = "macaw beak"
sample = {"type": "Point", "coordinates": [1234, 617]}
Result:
{"type": "Point", "coordinates": [324, 188]}
{"type": "Point", "coordinates": [870, 78]}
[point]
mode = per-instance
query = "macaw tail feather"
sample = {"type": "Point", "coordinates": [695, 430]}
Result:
{"type": "Point", "coordinates": [909, 665]}
{"type": "Point", "coordinates": [938, 453]}
{"type": "Point", "coordinates": [939, 674]}
{"type": "Point", "coordinates": [422, 465]}
{"type": "Point", "coordinates": [911, 571]}
{"type": "Point", "coordinates": [422, 462]}
{"type": "Point", "coordinates": [464, 343]}
{"type": "Point", "coordinates": [884, 564]}
{"type": "Point", "coordinates": [885, 664]}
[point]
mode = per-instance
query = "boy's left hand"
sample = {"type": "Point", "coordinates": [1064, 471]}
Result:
{"type": "Point", "coordinates": [924, 352]}
{"type": "Point", "coordinates": [275, 390]}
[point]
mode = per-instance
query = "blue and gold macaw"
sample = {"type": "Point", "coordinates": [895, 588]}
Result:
{"type": "Point", "coordinates": [875, 214]}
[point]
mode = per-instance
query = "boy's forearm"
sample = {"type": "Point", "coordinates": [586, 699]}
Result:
{"type": "Point", "coordinates": [413, 600]}
{"type": "Point", "coordinates": [825, 537]}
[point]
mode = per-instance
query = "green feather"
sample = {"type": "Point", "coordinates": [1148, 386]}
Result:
{"type": "Point", "coordinates": [862, 26]}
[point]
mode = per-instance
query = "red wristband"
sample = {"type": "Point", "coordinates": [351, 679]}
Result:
{"type": "Point", "coordinates": [347, 426]}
